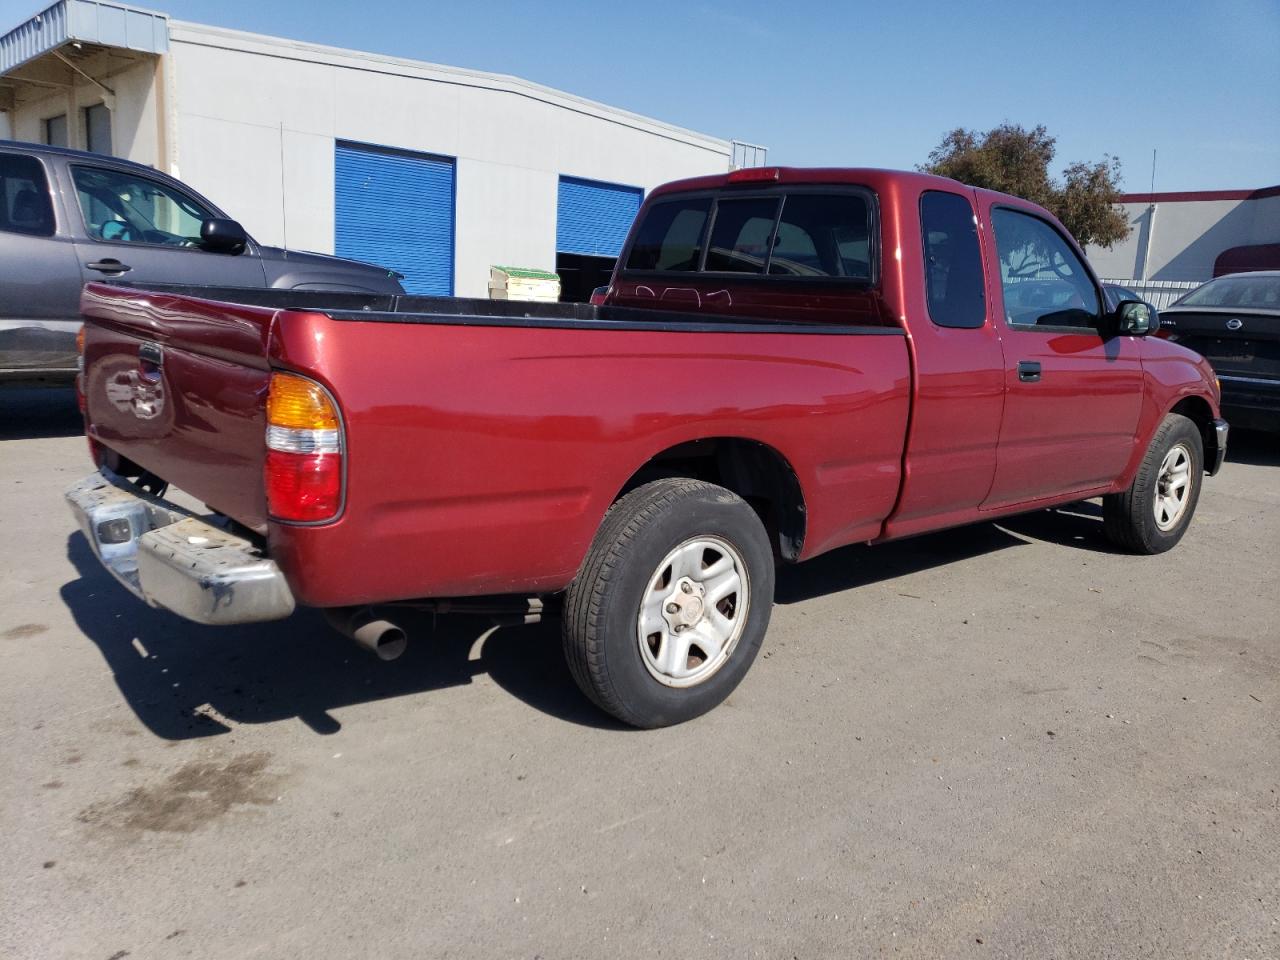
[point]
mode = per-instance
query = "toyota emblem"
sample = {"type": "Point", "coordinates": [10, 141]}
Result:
{"type": "Point", "coordinates": [1234, 324]}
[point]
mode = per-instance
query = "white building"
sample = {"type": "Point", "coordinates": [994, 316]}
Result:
{"type": "Point", "coordinates": [436, 171]}
{"type": "Point", "coordinates": [1179, 240]}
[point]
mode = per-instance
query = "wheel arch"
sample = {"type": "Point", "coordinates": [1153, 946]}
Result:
{"type": "Point", "coordinates": [1197, 409]}
{"type": "Point", "coordinates": [755, 471]}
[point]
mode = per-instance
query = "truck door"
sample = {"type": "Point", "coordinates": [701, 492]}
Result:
{"type": "Point", "coordinates": [959, 368]}
{"type": "Point", "coordinates": [1072, 392]}
{"type": "Point", "coordinates": [141, 230]}
{"type": "Point", "coordinates": [39, 276]}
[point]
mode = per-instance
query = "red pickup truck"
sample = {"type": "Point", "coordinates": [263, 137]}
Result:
{"type": "Point", "coordinates": [786, 361]}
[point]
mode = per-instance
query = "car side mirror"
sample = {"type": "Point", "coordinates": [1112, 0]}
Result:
{"type": "Point", "coordinates": [1135, 319]}
{"type": "Point", "coordinates": [220, 235]}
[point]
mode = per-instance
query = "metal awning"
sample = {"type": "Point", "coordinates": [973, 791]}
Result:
{"type": "Point", "coordinates": [98, 22]}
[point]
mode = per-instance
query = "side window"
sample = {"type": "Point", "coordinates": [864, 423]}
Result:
{"type": "Point", "coordinates": [952, 261]}
{"type": "Point", "coordinates": [741, 235]}
{"type": "Point", "coordinates": [822, 236]}
{"type": "Point", "coordinates": [125, 208]}
{"type": "Point", "coordinates": [670, 236]}
{"type": "Point", "coordinates": [1044, 282]}
{"type": "Point", "coordinates": [24, 197]}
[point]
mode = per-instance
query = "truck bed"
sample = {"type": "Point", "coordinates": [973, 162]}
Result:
{"type": "Point", "coordinates": [485, 439]}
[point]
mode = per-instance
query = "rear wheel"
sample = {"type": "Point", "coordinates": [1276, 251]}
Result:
{"type": "Point", "coordinates": [671, 604]}
{"type": "Point", "coordinates": [1153, 514]}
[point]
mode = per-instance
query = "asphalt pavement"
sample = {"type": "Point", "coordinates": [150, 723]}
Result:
{"type": "Point", "coordinates": [1000, 741]}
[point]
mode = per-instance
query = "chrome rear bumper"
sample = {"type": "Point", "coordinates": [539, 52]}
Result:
{"type": "Point", "coordinates": [170, 558]}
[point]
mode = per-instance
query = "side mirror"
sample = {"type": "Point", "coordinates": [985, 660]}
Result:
{"type": "Point", "coordinates": [219, 235]}
{"type": "Point", "coordinates": [1135, 319]}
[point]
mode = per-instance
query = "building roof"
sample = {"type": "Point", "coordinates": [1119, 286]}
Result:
{"type": "Point", "coordinates": [102, 22]}
{"type": "Point", "coordinates": [221, 37]}
{"type": "Point", "coordinates": [1194, 195]}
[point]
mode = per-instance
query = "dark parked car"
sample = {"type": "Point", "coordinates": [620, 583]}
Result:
{"type": "Point", "coordinates": [67, 217]}
{"type": "Point", "coordinates": [1234, 323]}
{"type": "Point", "coordinates": [1114, 294]}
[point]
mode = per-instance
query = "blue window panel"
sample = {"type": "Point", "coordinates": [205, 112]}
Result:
{"type": "Point", "coordinates": [593, 218]}
{"type": "Point", "coordinates": [396, 209]}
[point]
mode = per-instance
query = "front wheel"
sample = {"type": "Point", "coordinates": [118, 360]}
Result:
{"type": "Point", "coordinates": [671, 604]}
{"type": "Point", "coordinates": [1153, 514]}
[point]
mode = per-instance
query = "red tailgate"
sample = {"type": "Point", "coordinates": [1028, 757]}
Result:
{"type": "Point", "coordinates": [178, 386]}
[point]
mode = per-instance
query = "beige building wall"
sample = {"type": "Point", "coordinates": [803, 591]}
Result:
{"type": "Point", "coordinates": [1178, 237]}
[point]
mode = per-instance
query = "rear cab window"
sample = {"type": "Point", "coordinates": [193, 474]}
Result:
{"type": "Point", "coordinates": [782, 235]}
{"type": "Point", "coordinates": [25, 206]}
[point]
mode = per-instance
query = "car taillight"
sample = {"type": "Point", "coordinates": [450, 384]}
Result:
{"type": "Point", "coordinates": [303, 468]}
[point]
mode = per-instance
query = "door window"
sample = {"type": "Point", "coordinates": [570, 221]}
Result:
{"type": "Point", "coordinates": [1045, 283]}
{"type": "Point", "coordinates": [952, 261]}
{"type": "Point", "coordinates": [24, 197]}
{"type": "Point", "coordinates": [125, 208]}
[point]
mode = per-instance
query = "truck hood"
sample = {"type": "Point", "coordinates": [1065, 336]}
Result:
{"type": "Point", "coordinates": [304, 270]}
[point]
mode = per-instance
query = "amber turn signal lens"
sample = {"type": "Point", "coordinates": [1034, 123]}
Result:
{"type": "Point", "coordinates": [80, 340]}
{"type": "Point", "coordinates": [300, 404]}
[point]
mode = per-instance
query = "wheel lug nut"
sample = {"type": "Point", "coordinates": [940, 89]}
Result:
{"type": "Point", "coordinates": [673, 608]}
{"type": "Point", "coordinates": [685, 588]}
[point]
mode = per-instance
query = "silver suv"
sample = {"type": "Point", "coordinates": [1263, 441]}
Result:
{"type": "Point", "coordinates": [67, 217]}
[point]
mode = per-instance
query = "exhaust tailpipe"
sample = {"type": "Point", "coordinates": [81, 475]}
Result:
{"type": "Point", "coordinates": [381, 637]}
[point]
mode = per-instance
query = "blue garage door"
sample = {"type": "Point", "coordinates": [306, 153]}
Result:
{"type": "Point", "coordinates": [593, 217]}
{"type": "Point", "coordinates": [396, 210]}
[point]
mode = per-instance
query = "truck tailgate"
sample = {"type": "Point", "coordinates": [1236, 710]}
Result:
{"type": "Point", "coordinates": [179, 387]}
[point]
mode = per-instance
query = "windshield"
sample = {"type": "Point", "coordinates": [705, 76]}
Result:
{"type": "Point", "coordinates": [1262, 292]}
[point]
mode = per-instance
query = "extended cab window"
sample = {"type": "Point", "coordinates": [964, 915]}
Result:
{"type": "Point", "coordinates": [125, 208]}
{"type": "Point", "coordinates": [820, 235]}
{"type": "Point", "coordinates": [1044, 282]}
{"type": "Point", "coordinates": [670, 236]}
{"type": "Point", "coordinates": [952, 261]}
{"type": "Point", "coordinates": [741, 236]}
{"type": "Point", "coordinates": [24, 197]}
{"type": "Point", "coordinates": [797, 234]}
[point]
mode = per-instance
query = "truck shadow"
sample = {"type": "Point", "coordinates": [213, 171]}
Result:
{"type": "Point", "coordinates": [1254, 448]}
{"type": "Point", "coordinates": [1076, 525]}
{"type": "Point", "coordinates": [27, 413]}
{"type": "Point", "coordinates": [186, 681]}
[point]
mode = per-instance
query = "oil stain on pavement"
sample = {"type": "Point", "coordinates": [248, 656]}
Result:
{"type": "Point", "coordinates": [191, 797]}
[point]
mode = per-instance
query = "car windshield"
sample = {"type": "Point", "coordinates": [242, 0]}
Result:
{"type": "Point", "coordinates": [1262, 292]}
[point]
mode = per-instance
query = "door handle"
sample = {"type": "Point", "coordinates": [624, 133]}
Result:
{"type": "Point", "coordinates": [1029, 371]}
{"type": "Point", "coordinates": [109, 266]}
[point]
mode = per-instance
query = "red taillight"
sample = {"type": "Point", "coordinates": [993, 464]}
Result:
{"type": "Point", "coordinates": [755, 175]}
{"type": "Point", "coordinates": [303, 487]}
{"type": "Point", "coordinates": [303, 467]}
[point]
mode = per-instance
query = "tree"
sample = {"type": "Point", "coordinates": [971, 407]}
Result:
{"type": "Point", "coordinates": [1014, 160]}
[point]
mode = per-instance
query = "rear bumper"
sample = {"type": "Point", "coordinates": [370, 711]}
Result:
{"type": "Point", "coordinates": [172, 559]}
{"type": "Point", "coordinates": [1251, 402]}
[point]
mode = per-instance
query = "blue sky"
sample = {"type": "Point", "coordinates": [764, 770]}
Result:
{"type": "Point", "coordinates": [861, 84]}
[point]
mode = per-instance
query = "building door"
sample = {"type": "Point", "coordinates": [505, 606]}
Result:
{"type": "Point", "coordinates": [592, 221]}
{"type": "Point", "coordinates": [396, 209]}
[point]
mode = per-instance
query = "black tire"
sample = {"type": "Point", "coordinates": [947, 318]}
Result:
{"type": "Point", "coordinates": [1129, 518]}
{"type": "Point", "coordinates": [603, 605]}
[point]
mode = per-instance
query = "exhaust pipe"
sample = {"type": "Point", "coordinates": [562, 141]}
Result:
{"type": "Point", "coordinates": [381, 637]}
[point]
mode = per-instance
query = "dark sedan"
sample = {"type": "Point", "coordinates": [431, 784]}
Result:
{"type": "Point", "coordinates": [1234, 323]}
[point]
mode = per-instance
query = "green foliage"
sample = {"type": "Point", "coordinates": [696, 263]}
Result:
{"type": "Point", "coordinates": [1014, 160]}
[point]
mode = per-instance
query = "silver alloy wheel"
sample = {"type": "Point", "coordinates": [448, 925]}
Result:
{"type": "Point", "coordinates": [1173, 486]}
{"type": "Point", "coordinates": [693, 611]}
